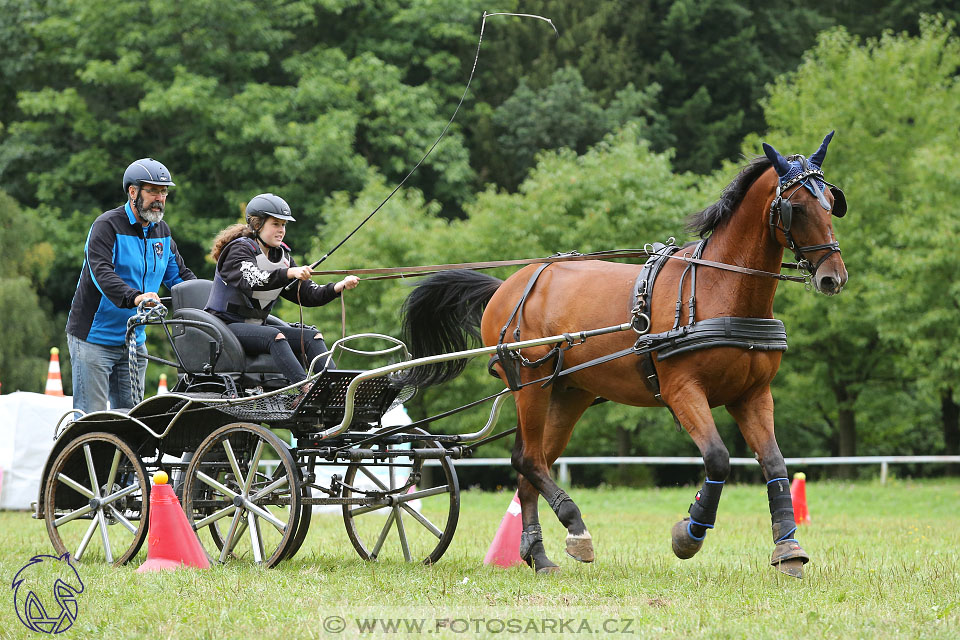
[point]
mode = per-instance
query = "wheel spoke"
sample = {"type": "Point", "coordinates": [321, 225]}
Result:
{"type": "Point", "coordinates": [373, 478]}
{"type": "Point", "coordinates": [359, 511]}
{"type": "Point", "coordinates": [383, 535]}
{"type": "Point", "coordinates": [231, 540]}
{"type": "Point", "coordinates": [256, 540]}
{"type": "Point", "coordinates": [73, 484]}
{"type": "Point", "coordinates": [113, 497]}
{"type": "Point", "coordinates": [91, 470]}
{"type": "Point", "coordinates": [273, 486]}
{"type": "Point", "coordinates": [86, 538]}
{"type": "Point", "coordinates": [398, 518]}
{"type": "Point", "coordinates": [254, 463]}
{"type": "Point", "coordinates": [216, 485]}
{"type": "Point", "coordinates": [425, 493]}
{"type": "Point", "coordinates": [429, 526]}
{"type": "Point", "coordinates": [241, 530]}
{"type": "Point", "coordinates": [233, 460]}
{"type": "Point", "coordinates": [266, 515]}
{"type": "Point", "coordinates": [73, 515]}
{"type": "Point", "coordinates": [105, 536]}
{"type": "Point", "coordinates": [122, 520]}
{"type": "Point", "coordinates": [112, 474]}
{"type": "Point", "coordinates": [213, 517]}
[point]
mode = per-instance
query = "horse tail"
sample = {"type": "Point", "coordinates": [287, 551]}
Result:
{"type": "Point", "coordinates": [441, 315]}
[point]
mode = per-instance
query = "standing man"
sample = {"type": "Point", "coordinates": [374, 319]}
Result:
{"type": "Point", "coordinates": [128, 254]}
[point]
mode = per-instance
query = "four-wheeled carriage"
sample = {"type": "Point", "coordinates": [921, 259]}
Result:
{"type": "Point", "coordinates": [221, 433]}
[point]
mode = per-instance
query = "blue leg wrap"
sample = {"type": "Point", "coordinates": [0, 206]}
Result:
{"type": "Point", "coordinates": [703, 512]}
{"type": "Point", "coordinates": [781, 509]}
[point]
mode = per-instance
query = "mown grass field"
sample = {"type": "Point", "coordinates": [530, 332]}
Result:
{"type": "Point", "coordinates": [884, 565]}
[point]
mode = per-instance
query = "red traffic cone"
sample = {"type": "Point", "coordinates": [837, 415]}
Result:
{"type": "Point", "coordinates": [798, 494]}
{"type": "Point", "coordinates": [54, 384]}
{"type": "Point", "coordinates": [172, 544]}
{"type": "Point", "coordinates": [504, 551]}
{"type": "Point", "coordinates": [162, 386]}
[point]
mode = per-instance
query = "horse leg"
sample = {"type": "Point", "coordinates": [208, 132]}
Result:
{"type": "Point", "coordinates": [755, 418]}
{"type": "Point", "coordinates": [546, 421]}
{"type": "Point", "coordinates": [693, 412]}
{"type": "Point", "coordinates": [566, 407]}
{"type": "Point", "coordinates": [529, 462]}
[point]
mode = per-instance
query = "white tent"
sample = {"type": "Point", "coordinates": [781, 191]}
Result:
{"type": "Point", "coordinates": [27, 422]}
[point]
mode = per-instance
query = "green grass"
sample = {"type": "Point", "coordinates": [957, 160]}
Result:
{"type": "Point", "coordinates": [884, 565]}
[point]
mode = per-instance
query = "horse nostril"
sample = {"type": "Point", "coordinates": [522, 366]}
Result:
{"type": "Point", "coordinates": [828, 284]}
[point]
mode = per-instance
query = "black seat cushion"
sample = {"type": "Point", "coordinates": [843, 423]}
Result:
{"type": "Point", "coordinates": [193, 342]}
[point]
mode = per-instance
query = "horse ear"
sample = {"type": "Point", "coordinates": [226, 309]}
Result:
{"type": "Point", "coordinates": [817, 158]}
{"type": "Point", "coordinates": [779, 162]}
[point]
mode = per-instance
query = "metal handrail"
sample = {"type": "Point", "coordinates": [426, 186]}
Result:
{"type": "Point", "coordinates": [419, 362]}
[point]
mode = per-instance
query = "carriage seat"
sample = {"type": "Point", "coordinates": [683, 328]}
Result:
{"type": "Point", "coordinates": [196, 345]}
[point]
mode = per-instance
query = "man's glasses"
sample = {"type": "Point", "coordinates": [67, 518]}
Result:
{"type": "Point", "coordinates": [153, 191]}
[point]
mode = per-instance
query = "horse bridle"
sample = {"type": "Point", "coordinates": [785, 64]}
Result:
{"type": "Point", "coordinates": [781, 213]}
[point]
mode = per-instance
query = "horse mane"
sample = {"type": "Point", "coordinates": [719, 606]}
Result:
{"type": "Point", "coordinates": [703, 222]}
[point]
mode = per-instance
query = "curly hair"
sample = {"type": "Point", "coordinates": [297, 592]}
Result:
{"type": "Point", "coordinates": [228, 235]}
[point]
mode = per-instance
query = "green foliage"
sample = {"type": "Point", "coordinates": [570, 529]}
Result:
{"type": "Point", "coordinates": [28, 332]}
{"type": "Point", "coordinates": [892, 101]}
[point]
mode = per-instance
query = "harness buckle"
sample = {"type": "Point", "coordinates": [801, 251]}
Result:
{"type": "Point", "coordinates": [635, 322]}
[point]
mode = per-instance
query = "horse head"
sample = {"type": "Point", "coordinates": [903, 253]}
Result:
{"type": "Point", "coordinates": [800, 215]}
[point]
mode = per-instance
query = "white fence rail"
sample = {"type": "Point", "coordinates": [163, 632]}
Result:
{"type": "Point", "coordinates": [562, 465]}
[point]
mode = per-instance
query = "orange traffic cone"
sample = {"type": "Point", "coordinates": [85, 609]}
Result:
{"type": "Point", "coordinates": [798, 493]}
{"type": "Point", "coordinates": [162, 386]}
{"type": "Point", "coordinates": [54, 384]}
{"type": "Point", "coordinates": [172, 544]}
{"type": "Point", "coordinates": [504, 551]}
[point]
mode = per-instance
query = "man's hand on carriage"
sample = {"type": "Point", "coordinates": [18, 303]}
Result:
{"type": "Point", "coordinates": [350, 282]}
{"type": "Point", "coordinates": [147, 299]}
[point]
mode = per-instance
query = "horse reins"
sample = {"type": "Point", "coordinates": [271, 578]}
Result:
{"type": "Point", "coordinates": [392, 273]}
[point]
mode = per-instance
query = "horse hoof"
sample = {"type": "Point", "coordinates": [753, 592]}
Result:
{"type": "Point", "coordinates": [788, 550]}
{"type": "Point", "coordinates": [580, 547]}
{"type": "Point", "coordinates": [789, 557]}
{"type": "Point", "coordinates": [793, 568]}
{"type": "Point", "coordinates": [684, 545]}
{"type": "Point", "coordinates": [548, 570]}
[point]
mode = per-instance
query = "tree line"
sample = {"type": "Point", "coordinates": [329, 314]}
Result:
{"type": "Point", "coordinates": [606, 137]}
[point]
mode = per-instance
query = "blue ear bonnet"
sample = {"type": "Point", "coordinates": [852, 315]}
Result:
{"type": "Point", "coordinates": [797, 169]}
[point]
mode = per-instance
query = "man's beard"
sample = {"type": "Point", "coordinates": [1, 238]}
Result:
{"type": "Point", "coordinates": [152, 214]}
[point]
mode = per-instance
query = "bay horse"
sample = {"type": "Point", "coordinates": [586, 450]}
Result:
{"type": "Point", "coordinates": [774, 203]}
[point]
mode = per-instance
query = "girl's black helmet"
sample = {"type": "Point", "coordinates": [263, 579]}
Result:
{"type": "Point", "coordinates": [267, 204]}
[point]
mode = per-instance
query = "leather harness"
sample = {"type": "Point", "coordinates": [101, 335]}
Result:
{"type": "Point", "coordinates": [760, 334]}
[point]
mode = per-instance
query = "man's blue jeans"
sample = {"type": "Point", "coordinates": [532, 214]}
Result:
{"type": "Point", "coordinates": [101, 373]}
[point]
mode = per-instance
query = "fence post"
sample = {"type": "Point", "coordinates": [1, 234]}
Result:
{"type": "Point", "coordinates": [883, 472]}
{"type": "Point", "coordinates": [563, 474]}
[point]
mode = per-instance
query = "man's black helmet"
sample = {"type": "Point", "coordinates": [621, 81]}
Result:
{"type": "Point", "coordinates": [267, 204]}
{"type": "Point", "coordinates": [146, 170]}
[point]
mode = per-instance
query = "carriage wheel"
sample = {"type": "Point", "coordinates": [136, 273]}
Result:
{"type": "Point", "coordinates": [424, 518]}
{"type": "Point", "coordinates": [96, 500]}
{"type": "Point", "coordinates": [252, 512]}
{"type": "Point", "coordinates": [306, 514]}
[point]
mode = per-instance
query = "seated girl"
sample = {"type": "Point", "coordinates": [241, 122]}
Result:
{"type": "Point", "coordinates": [254, 267]}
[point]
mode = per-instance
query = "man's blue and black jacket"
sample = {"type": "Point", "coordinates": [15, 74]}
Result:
{"type": "Point", "coordinates": [122, 259]}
